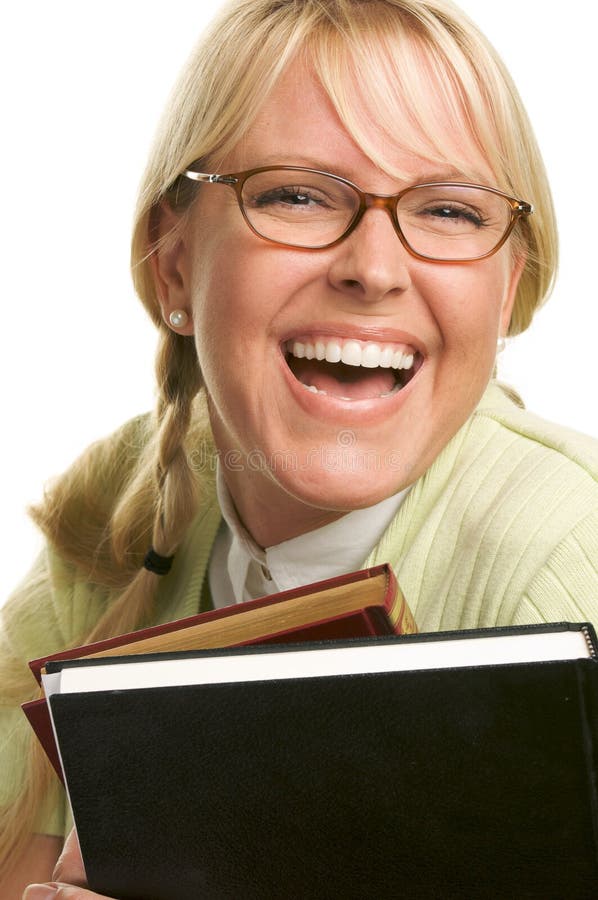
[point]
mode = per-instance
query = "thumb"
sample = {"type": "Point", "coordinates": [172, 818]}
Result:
{"type": "Point", "coordinates": [69, 867]}
{"type": "Point", "coordinates": [70, 872]}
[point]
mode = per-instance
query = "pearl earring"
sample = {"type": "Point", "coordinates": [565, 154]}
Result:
{"type": "Point", "coordinates": [500, 345]}
{"type": "Point", "coordinates": [178, 318]}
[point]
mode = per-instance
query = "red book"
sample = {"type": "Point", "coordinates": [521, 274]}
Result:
{"type": "Point", "coordinates": [359, 604]}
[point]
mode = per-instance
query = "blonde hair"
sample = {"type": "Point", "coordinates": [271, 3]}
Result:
{"type": "Point", "coordinates": [382, 62]}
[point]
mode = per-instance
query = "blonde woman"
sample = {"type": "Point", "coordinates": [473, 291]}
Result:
{"type": "Point", "coordinates": [343, 215]}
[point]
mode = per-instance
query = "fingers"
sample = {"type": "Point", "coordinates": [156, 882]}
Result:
{"type": "Point", "coordinates": [69, 867]}
{"type": "Point", "coordinates": [70, 877]}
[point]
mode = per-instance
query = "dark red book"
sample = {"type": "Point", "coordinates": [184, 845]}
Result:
{"type": "Point", "coordinates": [358, 604]}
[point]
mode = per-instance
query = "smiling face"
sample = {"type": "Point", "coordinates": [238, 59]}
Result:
{"type": "Point", "coordinates": [304, 439]}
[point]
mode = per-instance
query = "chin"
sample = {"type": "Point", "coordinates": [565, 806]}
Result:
{"type": "Point", "coordinates": [342, 483]}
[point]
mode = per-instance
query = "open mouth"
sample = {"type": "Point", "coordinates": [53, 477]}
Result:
{"type": "Point", "coordinates": [349, 369]}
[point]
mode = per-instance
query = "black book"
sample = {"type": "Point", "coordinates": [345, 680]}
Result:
{"type": "Point", "coordinates": [453, 765]}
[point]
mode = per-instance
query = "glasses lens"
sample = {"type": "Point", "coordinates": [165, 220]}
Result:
{"type": "Point", "coordinates": [303, 209]}
{"type": "Point", "coordinates": [453, 222]}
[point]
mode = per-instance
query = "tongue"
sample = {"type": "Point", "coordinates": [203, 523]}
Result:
{"type": "Point", "coordinates": [340, 380]}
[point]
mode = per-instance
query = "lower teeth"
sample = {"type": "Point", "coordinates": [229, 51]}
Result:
{"type": "Point", "coordinates": [395, 390]}
{"type": "Point", "coordinates": [314, 390]}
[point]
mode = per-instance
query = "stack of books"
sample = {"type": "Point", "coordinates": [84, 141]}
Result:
{"type": "Point", "coordinates": [207, 758]}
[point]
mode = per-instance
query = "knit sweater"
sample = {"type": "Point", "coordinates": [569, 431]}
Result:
{"type": "Point", "coordinates": [502, 529]}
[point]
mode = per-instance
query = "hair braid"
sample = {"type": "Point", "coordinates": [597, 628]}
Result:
{"type": "Point", "coordinates": [177, 488]}
{"type": "Point", "coordinates": [173, 483]}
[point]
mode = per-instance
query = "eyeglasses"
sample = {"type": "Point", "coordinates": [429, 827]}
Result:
{"type": "Point", "coordinates": [300, 207]}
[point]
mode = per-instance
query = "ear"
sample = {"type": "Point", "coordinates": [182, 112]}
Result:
{"type": "Point", "coordinates": [517, 266]}
{"type": "Point", "coordinates": [170, 265]}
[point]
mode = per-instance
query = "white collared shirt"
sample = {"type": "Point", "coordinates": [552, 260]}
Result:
{"type": "Point", "coordinates": [240, 570]}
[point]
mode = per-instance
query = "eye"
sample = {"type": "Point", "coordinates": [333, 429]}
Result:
{"type": "Point", "coordinates": [451, 209]}
{"type": "Point", "coordinates": [452, 212]}
{"type": "Point", "coordinates": [288, 196]}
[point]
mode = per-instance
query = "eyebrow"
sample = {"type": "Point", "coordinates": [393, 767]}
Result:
{"type": "Point", "coordinates": [439, 175]}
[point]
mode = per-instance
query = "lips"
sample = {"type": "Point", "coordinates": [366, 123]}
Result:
{"type": "Point", "coordinates": [351, 369]}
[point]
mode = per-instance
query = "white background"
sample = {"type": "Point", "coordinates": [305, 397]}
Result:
{"type": "Point", "coordinates": [83, 86]}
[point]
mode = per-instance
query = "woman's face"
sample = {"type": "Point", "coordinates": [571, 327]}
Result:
{"type": "Point", "coordinates": [294, 457]}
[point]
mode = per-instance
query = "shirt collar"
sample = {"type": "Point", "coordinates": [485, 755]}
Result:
{"type": "Point", "coordinates": [341, 546]}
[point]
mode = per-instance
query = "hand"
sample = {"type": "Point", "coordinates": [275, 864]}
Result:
{"type": "Point", "coordinates": [69, 877]}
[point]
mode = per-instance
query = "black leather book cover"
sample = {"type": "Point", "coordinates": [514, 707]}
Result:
{"type": "Point", "coordinates": [460, 783]}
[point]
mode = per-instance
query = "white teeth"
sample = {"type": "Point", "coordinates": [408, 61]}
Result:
{"type": "Point", "coordinates": [353, 353]}
{"type": "Point", "coordinates": [333, 352]}
{"type": "Point", "coordinates": [370, 356]}
{"type": "Point", "coordinates": [312, 388]}
{"type": "Point", "coordinates": [386, 355]}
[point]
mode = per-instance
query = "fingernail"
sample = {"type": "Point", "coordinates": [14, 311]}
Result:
{"type": "Point", "coordinates": [40, 892]}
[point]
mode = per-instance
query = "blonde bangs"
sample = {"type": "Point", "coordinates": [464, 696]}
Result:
{"type": "Point", "coordinates": [391, 95]}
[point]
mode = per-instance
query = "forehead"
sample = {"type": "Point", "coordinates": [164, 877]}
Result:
{"type": "Point", "coordinates": [300, 123]}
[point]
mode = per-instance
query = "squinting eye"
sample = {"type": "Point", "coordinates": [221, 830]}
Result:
{"type": "Point", "coordinates": [288, 196]}
{"type": "Point", "coordinates": [454, 213]}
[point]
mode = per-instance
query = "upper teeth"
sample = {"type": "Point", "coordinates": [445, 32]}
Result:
{"type": "Point", "coordinates": [353, 353]}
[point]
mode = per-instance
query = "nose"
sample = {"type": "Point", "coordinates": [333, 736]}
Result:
{"type": "Point", "coordinates": [371, 263]}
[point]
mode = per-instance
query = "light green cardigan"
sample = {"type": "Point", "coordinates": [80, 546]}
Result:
{"type": "Point", "coordinates": [502, 529]}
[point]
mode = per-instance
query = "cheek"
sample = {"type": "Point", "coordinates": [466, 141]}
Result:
{"type": "Point", "coordinates": [237, 290]}
{"type": "Point", "coordinates": [244, 284]}
{"type": "Point", "coordinates": [467, 306]}
{"type": "Point", "coordinates": [219, 288]}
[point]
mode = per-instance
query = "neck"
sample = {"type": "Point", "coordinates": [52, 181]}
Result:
{"type": "Point", "coordinates": [269, 513]}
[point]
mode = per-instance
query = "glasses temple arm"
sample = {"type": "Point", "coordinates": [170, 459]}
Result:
{"type": "Point", "coordinates": [206, 178]}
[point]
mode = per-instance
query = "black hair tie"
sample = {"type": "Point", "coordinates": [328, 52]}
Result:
{"type": "Point", "coordinates": [159, 565]}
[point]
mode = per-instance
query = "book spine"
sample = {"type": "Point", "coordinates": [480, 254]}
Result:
{"type": "Point", "coordinates": [590, 636]}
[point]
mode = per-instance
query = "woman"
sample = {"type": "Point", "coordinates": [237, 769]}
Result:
{"type": "Point", "coordinates": [345, 342]}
